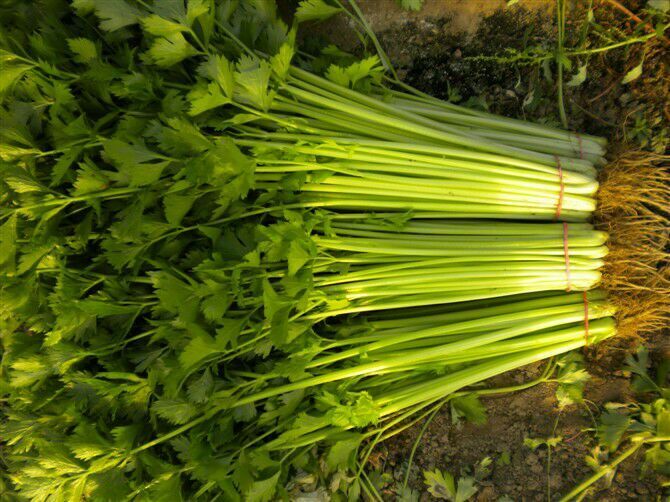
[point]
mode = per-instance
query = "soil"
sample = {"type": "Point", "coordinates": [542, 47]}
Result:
{"type": "Point", "coordinates": [439, 51]}
{"type": "Point", "coordinates": [517, 471]}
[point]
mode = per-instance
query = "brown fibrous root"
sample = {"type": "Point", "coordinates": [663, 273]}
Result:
{"type": "Point", "coordinates": [634, 208]}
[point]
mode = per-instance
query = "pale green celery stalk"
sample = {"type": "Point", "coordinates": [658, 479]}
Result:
{"type": "Point", "coordinates": [439, 210]}
{"type": "Point", "coordinates": [404, 359]}
{"type": "Point", "coordinates": [597, 328]}
{"type": "Point", "coordinates": [440, 387]}
{"type": "Point", "coordinates": [338, 122]}
{"type": "Point", "coordinates": [588, 247]}
{"type": "Point", "coordinates": [579, 239]}
{"type": "Point", "coordinates": [578, 280]}
{"type": "Point", "coordinates": [507, 179]}
{"type": "Point", "coordinates": [474, 310]}
{"type": "Point", "coordinates": [448, 279]}
{"type": "Point", "coordinates": [428, 299]}
{"type": "Point", "coordinates": [560, 149]}
{"type": "Point", "coordinates": [475, 194]}
{"type": "Point", "coordinates": [342, 94]}
{"type": "Point", "coordinates": [444, 275]}
{"type": "Point", "coordinates": [483, 323]}
{"type": "Point", "coordinates": [527, 129]}
{"type": "Point", "coordinates": [406, 187]}
{"type": "Point", "coordinates": [382, 108]}
{"type": "Point", "coordinates": [342, 122]}
{"type": "Point", "coordinates": [422, 176]}
{"type": "Point", "coordinates": [433, 132]}
{"type": "Point", "coordinates": [453, 227]}
{"type": "Point", "coordinates": [380, 152]}
{"type": "Point", "coordinates": [507, 122]}
{"type": "Point", "coordinates": [331, 94]}
{"type": "Point", "coordinates": [332, 279]}
{"type": "Point", "coordinates": [590, 151]}
{"type": "Point", "coordinates": [361, 266]}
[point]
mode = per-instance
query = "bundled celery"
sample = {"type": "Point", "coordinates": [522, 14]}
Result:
{"type": "Point", "coordinates": [219, 267]}
{"type": "Point", "coordinates": [349, 173]}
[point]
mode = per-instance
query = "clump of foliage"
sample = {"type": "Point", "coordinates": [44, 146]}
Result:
{"type": "Point", "coordinates": [628, 429]}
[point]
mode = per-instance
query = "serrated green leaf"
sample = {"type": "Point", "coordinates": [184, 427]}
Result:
{"type": "Point", "coordinates": [170, 50]}
{"type": "Point", "coordinates": [440, 484]}
{"type": "Point", "coordinates": [89, 180]}
{"type": "Point", "coordinates": [172, 292]}
{"type": "Point", "coordinates": [32, 258]}
{"type": "Point", "coordinates": [468, 407]}
{"type": "Point", "coordinates": [8, 242]}
{"type": "Point", "coordinates": [205, 98]}
{"type": "Point", "coordinates": [465, 489]}
{"type": "Point", "coordinates": [166, 489]}
{"type": "Point", "coordinates": [174, 411]}
{"type": "Point", "coordinates": [298, 256]}
{"type": "Point", "coordinates": [11, 73]}
{"type": "Point", "coordinates": [161, 27]}
{"type": "Point", "coordinates": [104, 308]}
{"type": "Point", "coordinates": [142, 166]}
{"type": "Point", "coordinates": [229, 333]}
{"type": "Point", "coordinates": [177, 206]}
{"type": "Point", "coordinates": [611, 429]}
{"type": "Point", "coordinates": [84, 49]}
{"type": "Point", "coordinates": [116, 14]}
{"type": "Point", "coordinates": [221, 71]}
{"type": "Point", "coordinates": [338, 75]}
{"type": "Point", "coordinates": [281, 62]}
{"type": "Point", "coordinates": [244, 413]}
{"type": "Point", "coordinates": [84, 7]}
{"type": "Point", "coordinates": [252, 80]}
{"type": "Point", "coordinates": [262, 491]}
{"type": "Point", "coordinates": [195, 9]}
{"type": "Point", "coordinates": [341, 454]}
{"type": "Point", "coordinates": [63, 165]}
{"type": "Point", "coordinates": [315, 10]}
{"type": "Point", "coordinates": [127, 155]}
{"type": "Point", "coordinates": [201, 388]}
{"type": "Point", "coordinates": [201, 347]}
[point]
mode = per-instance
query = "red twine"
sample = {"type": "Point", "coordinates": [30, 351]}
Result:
{"type": "Point", "coordinates": [561, 188]}
{"type": "Point", "coordinates": [586, 319]}
{"type": "Point", "coordinates": [566, 254]}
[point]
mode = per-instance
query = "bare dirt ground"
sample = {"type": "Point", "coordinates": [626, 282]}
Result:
{"type": "Point", "coordinates": [438, 51]}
